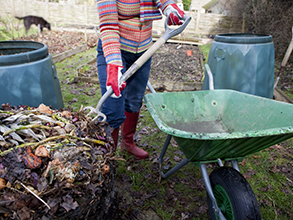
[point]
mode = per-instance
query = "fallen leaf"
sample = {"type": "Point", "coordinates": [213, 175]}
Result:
{"type": "Point", "coordinates": [74, 100]}
{"type": "Point", "coordinates": [42, 184]}
{"type": "Point", "coordinates": [45, 109]}
{"type": "Point", "coordinates": [174, 143]}
{"type": "Point", "coordinates": [2, 183]}
{"type": "Point", "coordinates": [105, 169]}
{"type": "Point", "coordinates": [66, 114]}
{"type": "Point", "coordinates": [177, 159]}
{"type": "Point", "coordinates": [285, 190]}
{"type": "Point", "coordinates": [172, 185]}
{"type": "Point", "coordinates": [30, 160]}
{"type": "Point", "coordinates": [243, 162]}
{"type": "Point", "coordinates": [68, 203]}
{"type": "Point", "coordinates": [265, 201]}
{"type": "Point", "coordinates": [165, 159]}
{"type": "Point", "coordinates": [284, 170]}
{"type": "Point", "coordinates": [166, 167]}
{"type": "Point", "coordinates": [178, 152]}
{"type": "Point", "coordinates": [251, 172]}
{"type": "Point", "coordinates": [23, 213]}
{"type": "Point", "coordinates": [42, 151]}
{"type": "Point", "coordinates": [92, 92]}
{"type": "Point", "coordinates": [274, 169]}
{"type": "Point", "coordinates": [263, 189]}
{"type": "Point", "coordinates": [74, 92]}
{"type": "Point", "coordinates": [246, 175]}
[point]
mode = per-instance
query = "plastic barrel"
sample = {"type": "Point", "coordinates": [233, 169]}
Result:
{"type": "Point", "coordinates": [28, 75]}
{"type": "Point", "coordinates": [242, 62]}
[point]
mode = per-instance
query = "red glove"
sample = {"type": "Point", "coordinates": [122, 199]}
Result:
{"type": "Point", "coordinates": [174, 13]}
{"type": "Point", "coordinates": [113, 76]}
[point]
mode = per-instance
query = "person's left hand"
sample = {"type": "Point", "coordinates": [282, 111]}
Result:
{"type": "Point", "coordinates": [174, 13]}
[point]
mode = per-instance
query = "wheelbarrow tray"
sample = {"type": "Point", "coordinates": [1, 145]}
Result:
{"type": "Point", "coordinates": [225, 124]}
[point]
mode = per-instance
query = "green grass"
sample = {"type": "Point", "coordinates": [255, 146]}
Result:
{"type": "Point", "coordinates": [290, 93]}
{"type": "Point", "coordinates": [66, 71]}
{"type": "Point", "coordinates": [268, 184]}
{"type": "Point", "coordinates": [205, 50]}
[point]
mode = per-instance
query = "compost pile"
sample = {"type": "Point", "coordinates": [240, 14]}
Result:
{"type": "Point", "coordinates": [54, 164]}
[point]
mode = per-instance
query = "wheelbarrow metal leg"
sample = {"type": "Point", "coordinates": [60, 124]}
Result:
{"type": "Point", "coordinates": [220, 162]}
{"type": "Point", "coordinates": [151, 88]}
{"type": "Point", "coordinates": [235, 165]}
{"type": "Point", "coordinates": [210, 191]}
{"type": "Point", "coordinates": [167, 142]}
{"type": "Point", "coordinates": [174, 169]}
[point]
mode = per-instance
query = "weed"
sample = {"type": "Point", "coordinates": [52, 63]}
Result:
{"type": "Point", "coordinates": [205, 50]}
{"type": "Point", "coordinates": [11, 28]}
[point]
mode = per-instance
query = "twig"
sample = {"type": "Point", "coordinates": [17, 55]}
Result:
{"type": "Point", "coordinates": [47, 140]}
{"type": "Point", "coordinates": [117, 159]}
{"type": "Point", "coordinates": [284, 61]}
{"type": "Point", "coordinates": [86, 139]}
{"type": "Point", "coordinates": [6, 112]}
{"type": "Point", "coordinates": [50, 191]}
{"type": "Point", "coordinates": [3, 153]}
{"type": "Point", "coordinates": [26, 127]}
{"type": "Point", "coordinates": [57, 117]}
{"type": "Point", "coordinates": [160, 169]}
{"type": "Point", "coordinates": [92, 151]}
{"type": "Point", "coordinates": [14, 189]}
{"type": "Point", "coordinates": [112, 158]}
{"type": "Point", "coordinates": [276, 213]}
{"type": "Point", "coordinates": [157, 64]}
{"type": "Point", "coordinates": [34, 194]}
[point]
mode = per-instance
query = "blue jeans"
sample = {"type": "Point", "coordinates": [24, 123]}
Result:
{"type": "Point", "coordinates": [132, 96]}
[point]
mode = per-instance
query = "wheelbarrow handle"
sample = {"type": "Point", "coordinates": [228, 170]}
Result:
{"type": "Point", "coordinates": [210, 75]}
{"type": "Point", "coordinates": [142, 59]}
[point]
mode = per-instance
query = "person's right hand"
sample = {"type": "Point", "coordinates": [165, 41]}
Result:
{"type": "Point", "coordinates": [113, 76]}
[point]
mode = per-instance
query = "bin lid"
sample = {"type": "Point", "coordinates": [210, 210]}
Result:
{"type": "Point", "coordinates": [243, 38]}
{"type": "Point", "coordinates": [20, 52]}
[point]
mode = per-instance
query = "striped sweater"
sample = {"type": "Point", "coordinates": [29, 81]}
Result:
{"type": "Point", "coordinates": [127, 25]}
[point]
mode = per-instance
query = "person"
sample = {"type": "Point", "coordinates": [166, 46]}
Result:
{"type": "Point", "coordinates": [125, 34]}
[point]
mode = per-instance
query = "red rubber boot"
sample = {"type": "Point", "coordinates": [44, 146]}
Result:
{"type": "Point", "coordinates": [115, 136]}
{"type": "Point", "coordinates": [128, 129]}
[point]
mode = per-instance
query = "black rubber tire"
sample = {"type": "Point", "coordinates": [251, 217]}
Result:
{"type": "Point", "coordinates": [243, 204]}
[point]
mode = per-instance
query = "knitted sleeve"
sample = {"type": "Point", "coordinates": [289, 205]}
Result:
{"type": "Point", "coordinates": [109, 31]}
{"type": "Point", "coordinates": [162, 4]}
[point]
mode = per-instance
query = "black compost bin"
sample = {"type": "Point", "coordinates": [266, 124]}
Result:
{"type": "Point", "coordinates": [28, 75]}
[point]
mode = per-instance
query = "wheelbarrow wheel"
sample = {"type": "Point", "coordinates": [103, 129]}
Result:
{"type": "Point", "coordinates": [233, 194]}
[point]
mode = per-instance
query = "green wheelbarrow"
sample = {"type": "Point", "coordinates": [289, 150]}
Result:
{"type": "Point", "coordinates": [222, 126]}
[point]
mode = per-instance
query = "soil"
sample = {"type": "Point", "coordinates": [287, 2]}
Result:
{"type": "Point", "coordinates": [170, 63]}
